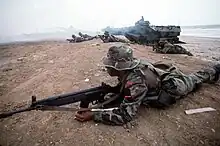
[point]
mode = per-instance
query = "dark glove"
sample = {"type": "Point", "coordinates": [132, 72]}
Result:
{"type": "Point", "coordinates": [106, 86]}
{"type": "Point", "coordinates": [217, 69]}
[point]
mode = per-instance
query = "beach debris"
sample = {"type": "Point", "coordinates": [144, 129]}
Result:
{"type": "Point", "coordinates": [96, 44]}
{"type": "Point", "coordinates": [86, 80]}
{"type": "Point", "coordinates": [201, 142]}
{"type": "Point", "coordinates": [213, 130]}
{"type": "Point", "coordinates": [166, 58]}
{"type": "Point", "coordinates": [20, 59]}
{"type": "Point", "coordinates": [51, 61]}
{"type": "Point", "coordinates": [6, 69]}
{"type": "Point", "coordinates": [199, 110]}
{"type": "Point", "coordinates": [96, 75]}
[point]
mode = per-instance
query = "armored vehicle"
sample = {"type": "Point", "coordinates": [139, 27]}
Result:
{"type": "Point", "coordinates": [144, 33]}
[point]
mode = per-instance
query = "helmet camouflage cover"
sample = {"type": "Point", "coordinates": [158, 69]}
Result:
{"type": "Point", "coordinates": [80, 34]}
{"type": "Point", "coordinates": [106, 33]}
{"type": "Point", "coordinates": [120, 58]}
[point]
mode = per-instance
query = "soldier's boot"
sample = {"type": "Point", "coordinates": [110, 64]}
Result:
{"type": "Point", "coordinates": [217, 69]}
{"type": "Point", "coordinates": [189, 54]}
{"type": "Point", "coordinates": [184, 51]}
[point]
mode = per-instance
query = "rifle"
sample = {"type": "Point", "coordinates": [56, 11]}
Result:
{"type": "Point", "coordinates": [85, 97]}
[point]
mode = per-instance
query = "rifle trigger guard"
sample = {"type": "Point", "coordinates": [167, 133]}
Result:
{"type": "Point", "coordinates": [95, 102]}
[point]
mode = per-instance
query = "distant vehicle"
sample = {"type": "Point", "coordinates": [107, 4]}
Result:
{"type": "Point", "coordinates": [144, 33]}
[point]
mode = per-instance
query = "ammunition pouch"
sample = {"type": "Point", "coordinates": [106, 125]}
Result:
{"type": "Point", "coordinates": [162, 100]}
{"type": "Point", "coordinates": [216, 77]}
{"type": "Point", "coordinates": [165, 99]}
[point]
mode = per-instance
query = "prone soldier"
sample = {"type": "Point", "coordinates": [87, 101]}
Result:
{"type": "Point", "coordinates": [142, 82]}
{"type": "Point", "coordinates": [165, 47]}
{"type": "Point", "coordinates": [106, 38]}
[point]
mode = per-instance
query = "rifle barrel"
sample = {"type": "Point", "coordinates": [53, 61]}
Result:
{"type": "Point", "coordinates": [10, 113]}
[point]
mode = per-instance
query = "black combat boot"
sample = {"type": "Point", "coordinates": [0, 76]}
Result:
{"type": "Point", "coordinates": [189, 54]}
{"type": "Point", "coordinates": [217, 69]}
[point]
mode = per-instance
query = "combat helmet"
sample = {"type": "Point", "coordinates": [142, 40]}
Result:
{"type": "Point", "coordinates": [106, 33]}
{"type": "Point", "coordinates": [120, 57]}
{"type": "Point", "coordinates": [80, 34]}
{"type": "Point", "coordinates": [73, 36]}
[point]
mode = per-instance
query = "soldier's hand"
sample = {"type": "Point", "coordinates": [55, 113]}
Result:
{"type": "Point", "coordinates": [106, 85]}
{"type": "Point", "coordinates": [84, 116]}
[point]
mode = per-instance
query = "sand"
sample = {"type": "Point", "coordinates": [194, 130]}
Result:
{"type": "Point", "coordinates": [49, 68]}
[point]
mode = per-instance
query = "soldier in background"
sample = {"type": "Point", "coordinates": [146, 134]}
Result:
{"type": "Point", "coordinates": [87, 37]}
{"type": "Point", "coordinates": [76, 39]}
{"type": "Point", "coordinates": [84, 35]}
{"type": "Point", "coordinates": [106, 38]}
{"type": "Point", "coordinates": [165, 47]}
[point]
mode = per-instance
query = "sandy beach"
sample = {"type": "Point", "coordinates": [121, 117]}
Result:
{"type": "Point", "coordinates": [55, 67]}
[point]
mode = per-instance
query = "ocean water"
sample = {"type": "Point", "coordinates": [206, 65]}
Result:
{"type": "Point", "coordinates": [201, 32]}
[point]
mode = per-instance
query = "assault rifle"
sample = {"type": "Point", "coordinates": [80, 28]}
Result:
{"type": "Point", "coordinates": [85, 97]}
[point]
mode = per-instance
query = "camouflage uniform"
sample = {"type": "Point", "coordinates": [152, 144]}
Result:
{"type": "Point", "coordinates": [81, 38]}
{"type": "Point", "coordinates": [76, 39]}
{"type": "Point", "coordinates": [143, 79]}
{"type": "Point", "coordinates": [109, 38]}
{"type": "Point", "coordinates": [168, 48]}
{"type": "Point", "coordinates": [106, 38]}
{"type": "Point", "coordinates": [86, 36]}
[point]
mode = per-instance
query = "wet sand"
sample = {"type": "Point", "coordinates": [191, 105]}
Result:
{"type": "Point", "coordinates": [203, 47]}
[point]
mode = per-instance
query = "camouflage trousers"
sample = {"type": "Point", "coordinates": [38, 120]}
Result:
{"type": "Point", "coordinates": [178, 84]}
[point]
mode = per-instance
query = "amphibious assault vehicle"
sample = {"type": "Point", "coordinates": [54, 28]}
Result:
{"type": "Point", "coordinates": [144, 33]}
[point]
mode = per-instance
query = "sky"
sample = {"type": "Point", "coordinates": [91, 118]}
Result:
{"type": "Point", "coordinates": [31, 16]}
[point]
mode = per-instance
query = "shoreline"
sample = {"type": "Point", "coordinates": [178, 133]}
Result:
{"type": "Point", "coordinates": [204, 48]}
{"type": "Point", "coordinates": [63, 40]}
{"type": "Point", "coordinates": [202, 37]}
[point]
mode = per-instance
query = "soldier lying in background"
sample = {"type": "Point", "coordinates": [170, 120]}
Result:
{"type": "Point", "coordinates": [106, 38]}
{"type": "Point", "coordinates": [84, 35]}
{"type": "Point", "coordinates": [76, 39]}
{"type": "Point", "coordinates": [87, 37]}
{"type": "Point", "coordinates": [165, 47]}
